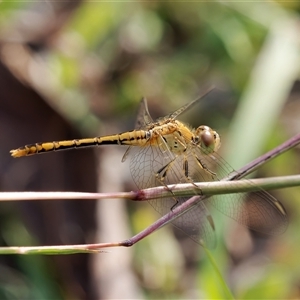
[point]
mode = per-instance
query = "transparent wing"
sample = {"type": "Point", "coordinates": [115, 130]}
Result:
{"type": "Point", "coordinates": [187, 106]}
{"type": "Point", "coordinates": [258, 211]}
{"type": "Point", "coordinates": [145, 165]}
{"type": "Point", "coordinates": [143, 116]}
{"type": "Point", "coordinates": [143, 119]}
{"type": "Point", "coordinates": [197, 223]}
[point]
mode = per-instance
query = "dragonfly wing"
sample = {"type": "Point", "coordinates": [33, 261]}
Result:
{"type": "Point", "coordinates": [143, 119]}
{"type": "Point", "coordinates": [258, 211]}
{"type": "Point", "coordinates": [187, 106]}
{"type": "Point", "coordinates": [146, 162]}
{"type": "Point", "coordinates": [198, 224]}
{"type": "Point", "coordinates": [145, 165]}
{"type": "Point", "coordinates": [126, 154]}
{"type": "Point", "coordinates": [143, 116]}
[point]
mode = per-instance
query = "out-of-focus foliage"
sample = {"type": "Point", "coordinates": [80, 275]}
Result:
{"type": "Point", "coordinates": [94, 62]}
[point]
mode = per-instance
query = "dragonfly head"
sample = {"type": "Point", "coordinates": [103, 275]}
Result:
{"type": "Point", "coordinates": [207, 139]}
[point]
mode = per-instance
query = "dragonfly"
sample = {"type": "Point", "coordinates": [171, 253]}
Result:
{"type": "Point", "coordinates": [166, 152]}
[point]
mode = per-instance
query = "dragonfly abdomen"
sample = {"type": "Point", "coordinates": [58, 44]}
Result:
{"type": "Point", "coordinates": [131, 138]}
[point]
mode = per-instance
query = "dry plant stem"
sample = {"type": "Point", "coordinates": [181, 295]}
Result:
{"type": "Point", "coordinates": [182, 189]}
{"type": "Point", "coordinates": [255, 164]}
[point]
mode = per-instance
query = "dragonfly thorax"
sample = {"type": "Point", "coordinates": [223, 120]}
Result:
{"type": "Point", "coordinates": [207, 139]}
{"type": "Point", "coordinates": [176, 143]}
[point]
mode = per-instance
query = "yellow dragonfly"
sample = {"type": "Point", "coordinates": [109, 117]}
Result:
{"type": "Point", "coordinates": [167, 151]}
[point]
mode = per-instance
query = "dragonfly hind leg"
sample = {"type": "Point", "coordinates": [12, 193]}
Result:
{"type": "Point", "coordinates": [187, 176]}
{"type": "Point", "coordinates": [161, 175]}
{"type": "Point", "coordinates": [163, 172]}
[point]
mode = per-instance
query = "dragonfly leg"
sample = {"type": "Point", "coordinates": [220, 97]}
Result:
{"type": "Point", "coordinates": [161, 175]}
{"type": "Point", "coordinates": [188, 178]}
{"type": "Point", "coordinates": [206, 169]}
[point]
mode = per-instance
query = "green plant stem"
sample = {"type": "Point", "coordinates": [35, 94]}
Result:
{"type": "Point", "coordinates": [218, 273]}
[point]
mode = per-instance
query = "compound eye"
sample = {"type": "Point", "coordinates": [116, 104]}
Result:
{"type": "Point", "coordinates": [209, 139]}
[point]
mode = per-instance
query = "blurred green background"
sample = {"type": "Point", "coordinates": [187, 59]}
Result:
{"type": "Point", "coordinates": [79, 69]}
